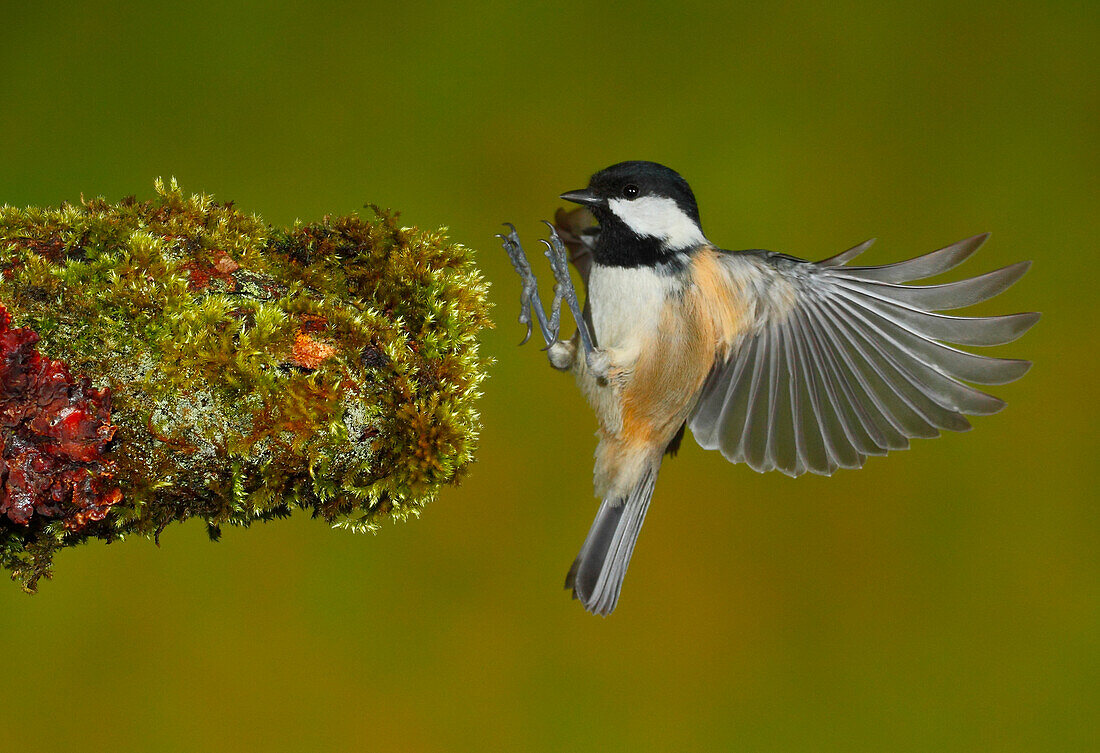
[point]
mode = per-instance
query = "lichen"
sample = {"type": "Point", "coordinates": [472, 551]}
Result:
{"type": "Point", "coordinates": [53, 433]}
{"type": "Point", "coordinates": [241, 371]}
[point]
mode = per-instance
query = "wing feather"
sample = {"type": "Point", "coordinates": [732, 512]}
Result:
{"type": "Point", "coordinates": [782, 446]}
{"type": "Point", "coordinates": [949, 361]}
{"type": "Point", "coordinates": [734, 411]}
{"type": "Point", "coordinates": [897, 372]}
{"type": "Point", "coordinates": [820, 458]}
{"type": "Point", "coordinates": [846, 256]}
{"type": "Point", "coordinates": [884, 378]}
{"type": "Point", "coordinates": [874, 411]}
{"type": "Point", "coordinates": [934, 263]}
{"type": "Point", "coordinates": [839, 394]}
{"type": "Point", "coordinates": [949, 392]}
{"type": "Point", "coordinates": [847, 362]}
{"type": "Point", "coordinates": [963, 330]}
{"type": "Point", "coordinates": [754, 430]}
{"type": "Point", "coordinates": [949, 295]}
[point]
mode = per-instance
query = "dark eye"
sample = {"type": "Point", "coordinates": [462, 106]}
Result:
{"type": "Point", "coordinates": [630, 191]}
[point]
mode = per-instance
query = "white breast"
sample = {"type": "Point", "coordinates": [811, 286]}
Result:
{"type": "Point", "coordinates": [626, 303]}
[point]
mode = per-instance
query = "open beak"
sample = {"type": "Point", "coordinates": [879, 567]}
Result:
{"type": "Point", "coordinates": [583, 196]}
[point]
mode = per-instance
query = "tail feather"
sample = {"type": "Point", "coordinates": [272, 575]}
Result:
{"type": "Point", "coordinates": [596, 576]}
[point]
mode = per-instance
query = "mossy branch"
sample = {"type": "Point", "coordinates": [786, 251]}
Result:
{"type": "Point", "coordinates": [176, 358]}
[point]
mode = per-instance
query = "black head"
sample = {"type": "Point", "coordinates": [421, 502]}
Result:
{"type": "Point", "coordinates": [647, 213]}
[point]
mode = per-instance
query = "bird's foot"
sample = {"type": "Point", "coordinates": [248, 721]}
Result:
{"type": "Point", "coordinates": [563, 289]}
{"type": "Point", "coordinates": [529, 294]}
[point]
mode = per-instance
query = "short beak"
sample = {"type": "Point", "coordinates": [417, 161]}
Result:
{"type": "Point", "coordinates": [583, 196]}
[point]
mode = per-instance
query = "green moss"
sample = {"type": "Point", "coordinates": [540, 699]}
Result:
{"type": "Point", "coordinates": [332, 366]}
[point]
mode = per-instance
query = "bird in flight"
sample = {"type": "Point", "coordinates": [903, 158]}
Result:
{"type": "Point", "coordinates": [777, 362]}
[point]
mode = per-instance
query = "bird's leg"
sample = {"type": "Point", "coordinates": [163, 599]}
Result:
{"type": "Point", "coordinates": [559, 263]}
{"type": "Point", "coordinates": [529, 295]}
{"type": "Point", "coordinates": [563, 291]}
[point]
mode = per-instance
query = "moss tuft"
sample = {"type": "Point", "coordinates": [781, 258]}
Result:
{"type": "Point", "coordinates": [245, 370]}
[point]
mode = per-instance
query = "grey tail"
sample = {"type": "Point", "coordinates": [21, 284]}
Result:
{"type": "Point", "coordinates": [597, 574]}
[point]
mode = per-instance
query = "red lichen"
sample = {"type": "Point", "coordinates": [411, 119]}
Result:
{"type": "Point", "coordinates": [309, 353]}
{"type": "Point", "coordinates": [224, 263]}
{"type": "Point", "coordinates": [54, 430]}
{"type": "Point", "coordinates": [201, 273]}
{"type": "Point", "coordinates": [197, 277]}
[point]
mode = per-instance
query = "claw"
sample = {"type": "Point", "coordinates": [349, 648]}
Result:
{"type": "Point", "coordinates": [529, 293]}
{"type": "Point", "coordinates": [559, 294]}
{"type": "Point", "coordinates": [559, 264]}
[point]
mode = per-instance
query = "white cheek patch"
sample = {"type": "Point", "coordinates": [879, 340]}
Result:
{"type": "Point", "coordinates": [659, 217]}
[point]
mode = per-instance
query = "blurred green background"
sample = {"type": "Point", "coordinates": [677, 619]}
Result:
{"type": "Point", "coordinates": [945, 598]}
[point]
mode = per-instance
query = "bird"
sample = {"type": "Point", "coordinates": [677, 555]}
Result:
{"type": "Point", "coordinates": [778, 362]}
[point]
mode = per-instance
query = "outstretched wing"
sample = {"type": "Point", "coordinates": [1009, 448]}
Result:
{"type": "Point", "coordinates": [846, 362]}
